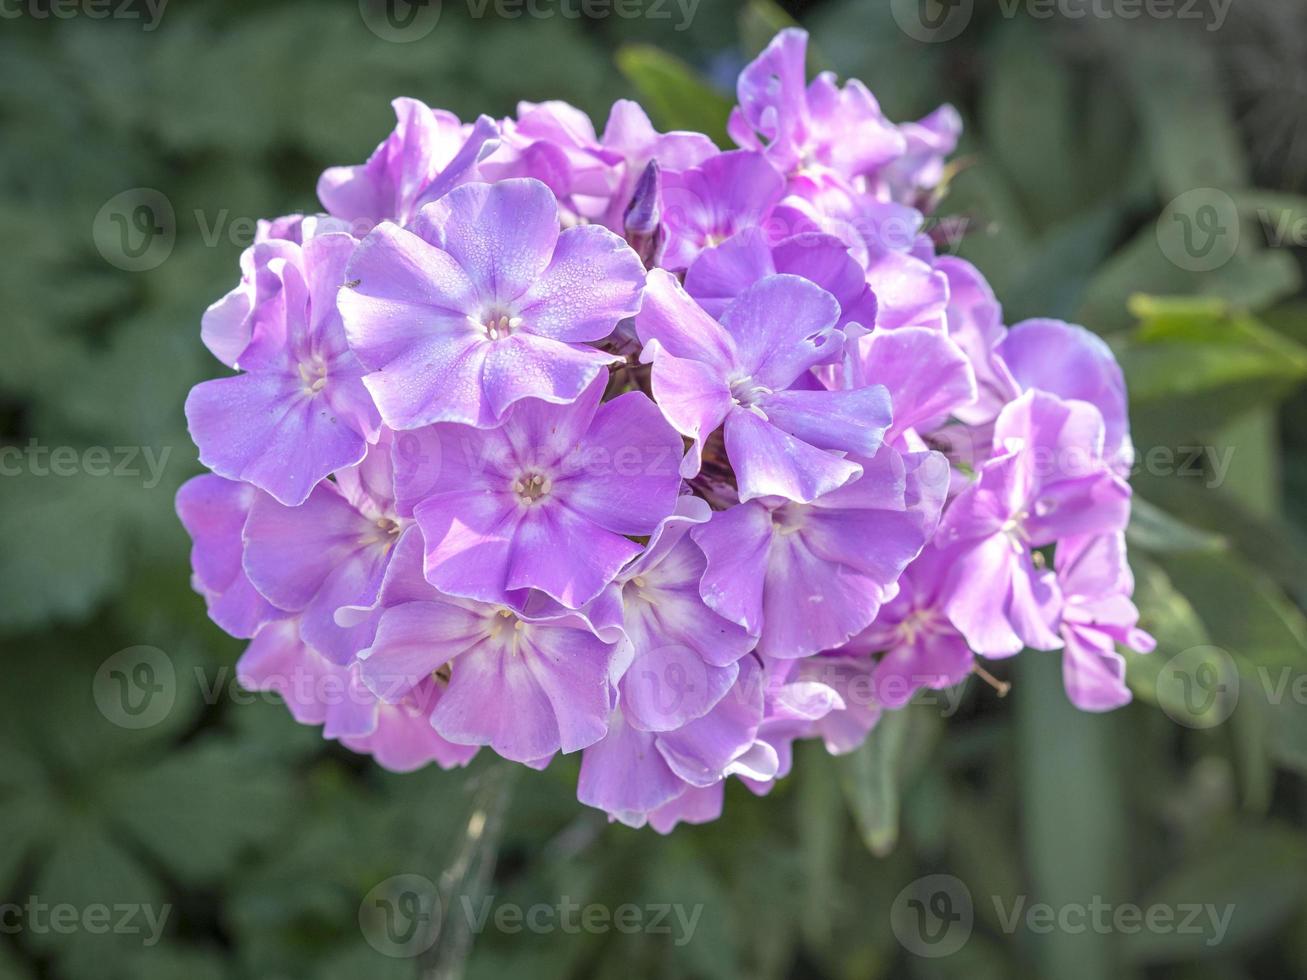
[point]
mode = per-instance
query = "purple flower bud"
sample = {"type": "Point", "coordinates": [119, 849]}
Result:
{"type": "Point", "coordinates": [642, 221]}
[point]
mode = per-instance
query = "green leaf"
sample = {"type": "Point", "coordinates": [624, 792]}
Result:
{"type": "Point", "coordinates": [89, 869]}
{"type": "Point", "coordinates": [1070, 792]}
{"type": "Point", "coordinates": [691, 884]}
{"type": "Point", "coordinates": [1252, 278]}
{"type": "Point", "coordinates": [64, 538]}
{"type": "Point", "coordinates": [678, 97]}
{"type": "Point", "coordinates": [821, 835]}
{"type": "Point", "coordinates": [1250, 727]}
{"type": "Point", "coordinates": [1289, 319]}
{"type": "Point", "coordinates": [1277, 547]}
{"type": "Point", "coordinates": [1198, 362]}
{"type": "Point", "coordinates": [873, 775]}
{"type": "Point", "coordinates": [1025, 112]}
{"type": "Point", "coordinates": [1282, 218]}
{"type": "Point", "coordinates": [1003, 241]}
{"type": "Point", "coordinates": [1243, 610]}
{"type": "Point", "coordinates": [11, 968]}
{"type": "Point", "coordinates": [1257, 633]}
{"type": "Point", "coordinates": [1286, 719]}
{"type": "Point", "coordinates": [1185, 121]}
{"type": "Point", "coordinates": [1251, 880]}
{"type": "Point", "coordinates": [984, 846]}
{"type": "Point", "coordinates": [1255, 278]}
{"type": "Point", "coordinates": [199, 810]}
{"type": "Point", "coordinates": [1153, 529]}
{"type": "Point", "coordinates": [1138, 266]}
{"type": "Point", "coordinates": [1169, 616]}
{"type": "Point", "coordinates": [1054, 279]}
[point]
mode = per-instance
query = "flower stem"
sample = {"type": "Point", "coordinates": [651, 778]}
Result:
{"type": "Point", "coordinates": [464, 882]}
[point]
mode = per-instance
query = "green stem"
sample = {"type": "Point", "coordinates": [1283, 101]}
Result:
{"type": "Point", "coordinates": [464, 882]}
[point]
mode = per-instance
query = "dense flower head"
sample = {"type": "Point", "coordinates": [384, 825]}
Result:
{"type": "Point", "coordinates": [624, 445]}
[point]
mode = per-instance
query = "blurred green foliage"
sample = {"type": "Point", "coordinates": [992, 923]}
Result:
{"type": "Point", "coordinates": [262, 841]}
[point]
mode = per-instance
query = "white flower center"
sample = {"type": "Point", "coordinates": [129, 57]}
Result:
{"type": "Point", "coordinates": [1015, 530]}
{"type": "Point", "coordinates": [746, 393]}
{"type": "Point", "coordinates": [914, 624]}
{"type": "Point", "coordinates": [531, 488]}
{"type": "Point", "coordinates": [498, 325]}
{"type": "Point", "coordinates": [505, 627]}
{"type": "Point", "coordinates": [313, 375]}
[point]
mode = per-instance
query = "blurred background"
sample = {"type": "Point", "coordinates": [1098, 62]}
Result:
{"type": "Point", "coordinates": [1138, 166]}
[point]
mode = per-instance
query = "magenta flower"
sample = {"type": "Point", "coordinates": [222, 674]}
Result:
{"type": "Point", "coordinates": [720, 274]}
{"type": "Point", "coordinates": [624, 775]}
{"type": "Point", "coordinates": [810, 127]}
{"type": "Point", "coordinates": [427, 154]}
{"type": "Point", "coordinates": [1098, 616]}
{"type": "Point", "coordinates": [329, 552]}
{"type": "Point", "coordinates": [632, 773]}
{"type": "Point", "coordinates": [743, 370]}
{"type": "Point", "coordinates": [228, 326]}
{"type": "Point", "coordinates": [630, 134]}
{"type": "Point", "coordinates": [808, 577]}
{"type": "Point", "coordinates": [918, 646]}
{"type": "Point", "coordinates": [975, 324]}
{"type": "Point", "coordinates": [683, 656]}
{"type": "Point", "coordinates": [213, 511]}
{"type": "Point", "coordinates": [845, 726]}
{"type": "Point", "coordinates": [555, 143]}
{"type": "Point", "coordinates": [483, 303]}
{"type": "Point", "coordinates": [921, 167]}
{"type": "Point", "coordinates": [319, 692]}
{"type": "Point", "coordinates": [1068, 361]}
{"type": "Point", "coordinates": [707, 204]}
{"type": "Point", "coordinates": [528, 685]}
{"type": "Point", "coordinates": [928, 377]}
{"type": "Point", "coordinates": [1047, 480]}
{"type": "Point", "coordinates": [794, 707]}
{"type": "Point", "coordinates": [909, 292]}
{"type": "Point", "coordinates": [299, 409]}
{"type": "Point", "coordinates": [546, 501]}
